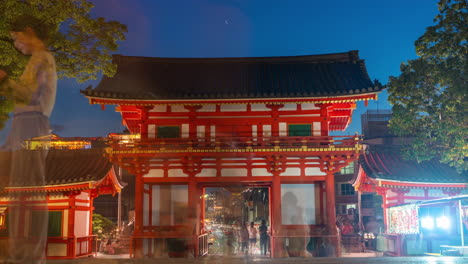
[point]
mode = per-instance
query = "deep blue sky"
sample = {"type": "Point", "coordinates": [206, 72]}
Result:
{"type": "Point", "coordinates": [383, 31]}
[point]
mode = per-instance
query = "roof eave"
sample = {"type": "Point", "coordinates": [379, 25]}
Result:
{"type": "Point", "coordinates": [322, 99]}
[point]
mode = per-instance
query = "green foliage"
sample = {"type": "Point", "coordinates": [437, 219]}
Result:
{"type": "Point", "coordinates": [82, 45]}
{"type": "Point", "coordinates": [429, 97]}
{"type": "Point", "coordinates": [100, 223]}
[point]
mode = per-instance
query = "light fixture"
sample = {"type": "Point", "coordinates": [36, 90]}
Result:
{"type": "Point", "coordinates": [427, 222]}
{"type": "Point", "coordinates": [443, 222]}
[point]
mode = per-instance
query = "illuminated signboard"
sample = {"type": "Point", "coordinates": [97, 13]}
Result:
{"type": "Point", "coordinates": [403, 219]}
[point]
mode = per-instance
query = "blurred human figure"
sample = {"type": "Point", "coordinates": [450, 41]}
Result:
{"type": "Point", "coordinates": [229, 235]}
{"type": "Point", "coordinates": [34, 97]}
{"type": "Point", "coordinates": [109, 249]}
{"type": "Point", "coordinates": [102, 245]}
{"type": "Point", "coordinates": [116, 246]}
{"type": "Point", "coordinates": [372, 226]}
{"type": "Point", "coordinates": [347, 228]}
{"type": "Point", "coordinates": [263, 230]}
{"type": "Point", "coordinates": [244, 238]}
{"type": "Point", "coordinates": [252, 237]}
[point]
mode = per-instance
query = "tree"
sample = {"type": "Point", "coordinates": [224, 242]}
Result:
{"type": "Point", "coordinates": [102, 225]}
{"type": "Point", "coordinates": [82, 45]}
{"type": "Point", "coordinates": [429, 97]}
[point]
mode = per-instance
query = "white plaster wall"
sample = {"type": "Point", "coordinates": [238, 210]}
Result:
{"type": "Point", "coordinates": [81, 223]}
{"type": "Point", "coordinates": [291, 172]}
{"type": "Point", "coordinates": [213, 132]}
{"type": "Point", "coordinates": [159, 108]}
{"type": "Point", "coordinates": [152, 131]}
{"type": "Point", "coordinates": [316, 128]}
{"type": "Point", "coordinates": [260, 172]}
{"type": "Point", "coordinates": [390, 193]}
{"type": "Point", "coordinates": [254, 131]}
{"type": "Point", "coordinates": [201, 131]}
{"type": "Point", "coordinates": [185, 130]}
{"type": "Point", "coordinates": [233, 107]}
{"type": "Point", "coordinates": [207, 173]}
{"type": "Point", "coordinates": [157, 173]}
{"type": "Point", "coordinates": [288, 107]}
{"type": "Point", "coordinates": [309, 107]}
{"type": "Point", "coordinates": [283, 130]}
{"type": "Point", "coordinates": [178, 109]}
{"type": "Point", "coordinates": [207, 108]}
{"type": "Point", "coordinates": [176, 173]}
{"type": "Point", "coordinates": [267, 130]}
{"type": "Point", "coordinates": [234, 172]}
{"type": "Point", "coordinates": [259, 107]}
{"type": "Point", "coordinates": [314, 171]}
{"type": "Point", "coordinates": [436, 193]}
{"type": "Point", "coordinates": [416, 192]}
{"type": "Point", "coordinates": [83, 196]}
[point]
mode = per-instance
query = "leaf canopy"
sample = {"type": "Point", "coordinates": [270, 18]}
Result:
{"type": "Point", "coordinates": [82, 45]}
{"type": "Point", "coordinates": [429, 97]}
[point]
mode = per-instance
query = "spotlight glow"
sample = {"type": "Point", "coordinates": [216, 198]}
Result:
{"type": "Point", "coordinates": [443, 222]}
{"type": "Point", "coordinates": [427, 222]}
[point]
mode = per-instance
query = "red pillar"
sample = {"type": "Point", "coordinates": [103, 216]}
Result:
{"type": "Point", "coordinates": [324, 124]}
{"type": "Point", "coordinates": [138, 230]}
{"type": "Point", "coordinates": [193, 215]}
{"type": "Point", "coordinates": [144, 123]}
{"type": "Point", "coordinates": [276, 241]}
{"type": "Point", "coordinates": [71, 224]}
{"type": "Point", "coordinates": [331, 212]}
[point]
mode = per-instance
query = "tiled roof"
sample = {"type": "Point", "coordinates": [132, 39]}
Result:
{"type": "Point", "coordinates": [389, 165]}
{"type": "Point", "coordinates": [148, 78]}
{"type": "Point", "coordinates": [64, 167]}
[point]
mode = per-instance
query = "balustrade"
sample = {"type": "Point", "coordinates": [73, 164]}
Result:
{"type": "Point", "coordinates": [231, 143]}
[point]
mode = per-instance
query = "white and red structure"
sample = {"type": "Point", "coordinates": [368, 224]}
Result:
{"type": "Point", "coordinates": [203, 122]}
{"type": "Point", "coordinates": [404, 185]}
{"type": "Point", "coordinates": [73, 179]}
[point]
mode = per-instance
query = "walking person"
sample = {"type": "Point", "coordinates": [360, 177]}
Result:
{"type": "Point", "coordinates": [252, 237]}
{"type": "Point", "coordinates": [34, 97]}
{"type": "Point", "coordinates": [263, 230]}
{"type": "Point", "coordinates": [244, 238]}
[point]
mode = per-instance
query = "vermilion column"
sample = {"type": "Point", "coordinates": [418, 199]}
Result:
{"type": "Point", "coordinates": [324, 124]}
{"type": "Point", "coordinates": [138, 228]}
{"type": "Point", "coordinates": [331, 213]}
{"type": "Point", "coordinates": [276, 241]}
{"type": "Point", "coordinates": [144, 123]}
{"type": "Point", "coordinates": [71, 223]}
{"type": "Point", "coordinates": [193, 215]}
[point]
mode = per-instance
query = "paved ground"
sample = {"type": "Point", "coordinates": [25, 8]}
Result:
{"type": "Point", "coordinates": [257, 260]}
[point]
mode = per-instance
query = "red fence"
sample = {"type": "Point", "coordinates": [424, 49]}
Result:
{"type": "Point", "coordinates": [247, 143]}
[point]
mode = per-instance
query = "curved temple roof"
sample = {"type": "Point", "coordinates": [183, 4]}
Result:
{"type": "Point", "coordinates": [145, 78]}
{"type": "Point", "coordinates": [64, 168]}
{"type": "Point", "coordinates": [390, 166]}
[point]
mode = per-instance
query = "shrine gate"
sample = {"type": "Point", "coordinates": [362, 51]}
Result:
{"type": "Point", "coordinates": [202, 122]}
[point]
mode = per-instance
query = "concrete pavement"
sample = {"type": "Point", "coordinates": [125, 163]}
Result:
{"type": "Point", "coordinates": [260, 260]}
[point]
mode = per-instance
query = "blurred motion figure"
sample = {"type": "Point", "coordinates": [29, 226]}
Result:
{"type": "Point", "coordinates": [34, 96]}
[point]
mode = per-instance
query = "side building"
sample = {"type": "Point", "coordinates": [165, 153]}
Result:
{"type": "Point", "coordinates": [425, 205]}
{"type": "Point", "coordinates": [74, 178]}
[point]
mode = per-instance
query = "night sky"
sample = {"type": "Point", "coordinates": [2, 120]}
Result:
{"type": "Point", "coordinates": [383, 31]}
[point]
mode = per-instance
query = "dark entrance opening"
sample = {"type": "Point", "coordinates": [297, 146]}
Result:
{"type": "Point", "coordinates": [227, 209]}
